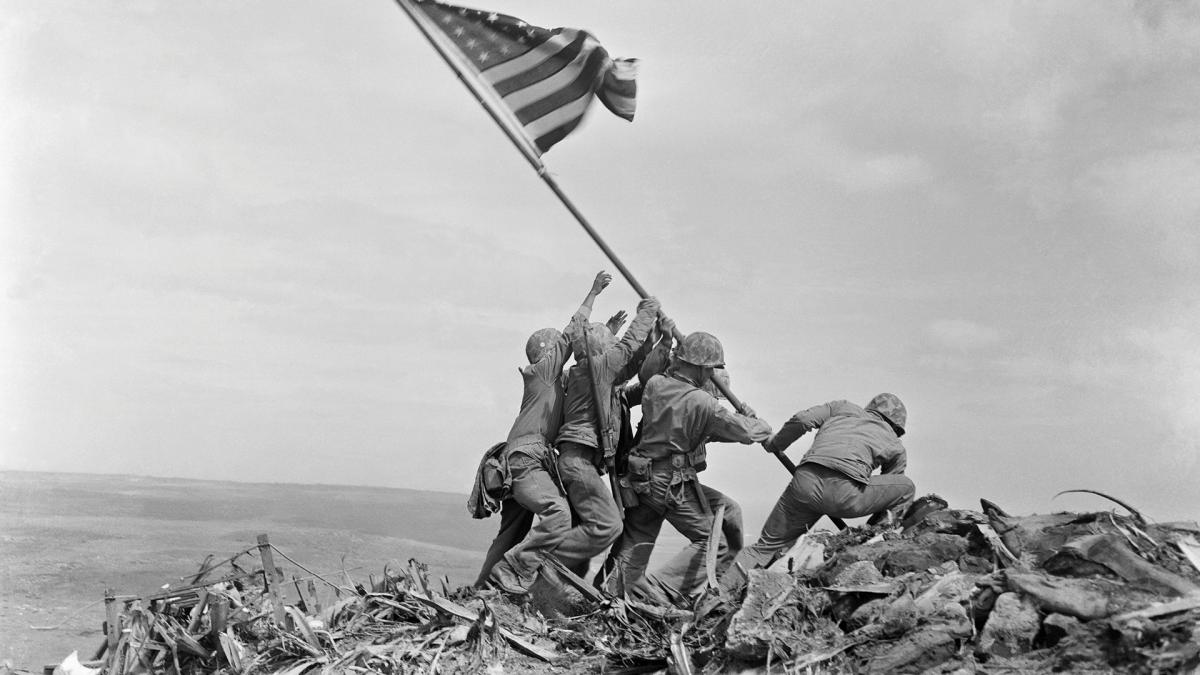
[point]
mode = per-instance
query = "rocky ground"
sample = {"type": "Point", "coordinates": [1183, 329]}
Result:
{"type": "Point", "coordinates": [943, 591]}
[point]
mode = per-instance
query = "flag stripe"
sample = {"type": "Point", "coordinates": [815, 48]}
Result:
{"type": "Point", "coordinates": [530, 59]}
{"type": "Point", "coordinates": [547, 68]}
{"type": "Point", "coordinates": [538, 83]}
{"type": "Point", "coordinates": [568, 113]}
{"type": "Point", "coordinates": [619, 89]}
{"type": "Point", "coordinates": [539, 89]}
{"type": "Point", "coordinates": [545, 141]}
{"type": "Point", "coordinates": [583, 85]}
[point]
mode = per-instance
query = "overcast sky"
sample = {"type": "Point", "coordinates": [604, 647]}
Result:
{"type": "Point", "coordinates": [278, 241]}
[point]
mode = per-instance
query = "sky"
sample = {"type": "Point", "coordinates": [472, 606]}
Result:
{"type": "Point", "coordinates": [279, 241]}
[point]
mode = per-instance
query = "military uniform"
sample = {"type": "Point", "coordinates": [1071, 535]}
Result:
{"type": "Point", "coordinates": [598, 520]}
{"type": "Point", "coordinates": [834, 477]}
{"type": "Point", "coordinates": [678, 416]}
{"type": "Point", "coordinates": [532, 467]}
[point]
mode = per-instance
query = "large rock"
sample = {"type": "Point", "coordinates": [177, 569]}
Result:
{"type": "Point", "coordinates": [780, 613]}
{"type": "Point", "coordinates": [1056, 627]}
{"type": "Point", "coordinates": [1010, 627]}
{"type": "Point", "coordinates": [895, 557]}
{"type": "Point", "coordinates": [916, 652]}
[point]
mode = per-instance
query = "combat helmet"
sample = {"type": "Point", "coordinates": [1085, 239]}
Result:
{"type": "Point", "coordinates": [892, 410]}
{"type": "Point", "coordinates": [539, 342]}
{"type": "Point", "coordinates": [599, 340]}
{"type": "Point", "coordinates": [701, 349]}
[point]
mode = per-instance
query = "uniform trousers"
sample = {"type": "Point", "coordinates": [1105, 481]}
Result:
{"type": "Point", "coordinates": [521, 541]}
{"type": "Point", "coordinates": [816, 491]}
{"type": "Point", "coordinates": [673, 496]}
{"type": "Point", "coordinates": [598, 521]}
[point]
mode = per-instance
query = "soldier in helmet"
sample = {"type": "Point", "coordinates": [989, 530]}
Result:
{"type": "Point", "coordinates": [602, 363]}
{"type": "Point", "coordinates": [834, 477]}
{"type": "Point", "coordinates": [679, 414]}
{"type": "Point", "coordinates": [536, 489]}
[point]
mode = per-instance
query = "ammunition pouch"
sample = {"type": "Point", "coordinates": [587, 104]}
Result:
{"type": "Point", "coordinates": [629, 492]}
{"type": "Point", "coordinates": [640, 471]}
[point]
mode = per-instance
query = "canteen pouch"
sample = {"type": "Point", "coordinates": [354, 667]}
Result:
{"type": "Point", "coordinates": [496, 480]}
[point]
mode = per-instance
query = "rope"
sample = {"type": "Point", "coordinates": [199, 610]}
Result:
{"type": "Point", "coordinates": [208, 570]}
{"type": "Point", "coordinates": [69, 618]}
{"type": "Point", "coordinates": [314, 574]}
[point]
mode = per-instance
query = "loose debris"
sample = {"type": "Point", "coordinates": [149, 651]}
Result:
{"type": "Point", "coordinates": [945, 591]}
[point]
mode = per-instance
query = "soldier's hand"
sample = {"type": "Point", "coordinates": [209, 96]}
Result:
{"type": "Point", "coordinates": [748, 411]}
{"type": "Point", "coordinates": [615, 321]}
{"type": "Point", "coordinates": [666, 325]}
{"type": "Point", "coordinates": [649, 305]}
{"type": "Point", "coordinates": [603, 279]}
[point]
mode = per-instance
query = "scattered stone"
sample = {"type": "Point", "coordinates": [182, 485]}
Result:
{"type": "Point", "coordinates": [1055, 627]}
{"type": "Point", "coordinates": [916, 652]}
{"type": "Point", "coordinates": [1080, 598]}
{"type": "Point", "coordinates": [886, 601]}
{"type": "Point", "coordinates": [1011, 627]}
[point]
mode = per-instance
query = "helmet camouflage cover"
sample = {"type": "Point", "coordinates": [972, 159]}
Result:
{"type": "Point", "coordinates": [599, 340]}
{"type": "Point", "coordinates": [701, 349]}
{"type": "Point", "coordinates": [539, 342]}
{"type": "Point", "coordinates": [892, 409]}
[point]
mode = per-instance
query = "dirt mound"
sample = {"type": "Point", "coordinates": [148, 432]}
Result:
{"type": "Point", "coordinates": [946, 590]}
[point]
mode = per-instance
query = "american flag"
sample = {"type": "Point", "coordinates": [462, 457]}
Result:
{"type": "Point", "coordinates": [546, 78]}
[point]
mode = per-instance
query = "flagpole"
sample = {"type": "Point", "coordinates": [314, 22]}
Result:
{"type": "Point", "coordinates": [522, 143]}
{"type": "Point", "coordinates": [518, 139]}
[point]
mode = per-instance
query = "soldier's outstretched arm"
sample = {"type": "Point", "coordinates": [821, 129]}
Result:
{"type": "Point", "coordinates": [579, 321]}
{"type": "Point", "coordinates": [798, 425]}
{"type": "Point", "coordinates": [729, 426]}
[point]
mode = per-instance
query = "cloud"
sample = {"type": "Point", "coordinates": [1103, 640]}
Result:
{"type": "Point", "coordinates": [883, 172]}
{"type": "Point", "coordinates": [963, 335]}
{"type": "Point", "coordinates": [1153, 194]}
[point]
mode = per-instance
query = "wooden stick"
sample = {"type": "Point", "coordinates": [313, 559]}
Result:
{"type": "Point", "coordinates": [454, 609]}
{"type": "Point", "coordinates": [218, 615]}
{"type": "Point", "coordinates": [714, 545]}
{"type": "Point", "coordinates": [273, 578]}
{"type": "Point", "coordinates": [112, 624]}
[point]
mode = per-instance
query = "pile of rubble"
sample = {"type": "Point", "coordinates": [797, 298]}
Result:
{"type": "Point", "coordinates": [944, 591]}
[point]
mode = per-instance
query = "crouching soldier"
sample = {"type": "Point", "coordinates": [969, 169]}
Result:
{"type": "Point", "coordinates": [678, 416]}
{"type": "Point", "coordinates": [530, 459]}
{"type": "Point", "coordinates": [592, 408]}
{"type": "Point", "coordinates": [834, 477]}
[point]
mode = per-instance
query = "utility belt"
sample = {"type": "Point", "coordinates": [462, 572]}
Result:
{"type": "Point", "coordinates": [683, 466]}
{"type": "Point", "coordinates": [642, 468]}
{"type": "Point", "coordinates": [497, 474]}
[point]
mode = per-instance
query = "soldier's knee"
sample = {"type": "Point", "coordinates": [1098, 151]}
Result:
{"type": "Point", "coordinates": [557, 517]}
{"type": "Point", "coordinates": [733, 512]}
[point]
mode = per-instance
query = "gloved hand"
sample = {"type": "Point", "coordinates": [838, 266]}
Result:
{"type": "Point", "coordinates": [769, 444]}
{"type": "Point", "coordinates": [649, 305]}
{"type": "Point", "coordinates": [748, 411]}
{"type": "Point", "coordinates": [666, 325]}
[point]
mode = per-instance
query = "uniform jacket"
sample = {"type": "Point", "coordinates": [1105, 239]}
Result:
{"type": "Point", "coordinates": [541, 412]}
{"type": "Point", "coordinates": [678, 416]}
{"type": "Point", "coordinates": [616, 365]}
{"type": "Point", "coordinates": [849, 440]}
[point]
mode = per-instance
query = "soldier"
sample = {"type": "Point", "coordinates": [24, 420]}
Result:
{"type": "Point", "coordinates": [834, 477]}
{"type": "Point", "coordinates": [678, 416]}
{"type": "Point", "coordinates": [582, 452]}
{"type": "Point", "coordinates": [530, 459]}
